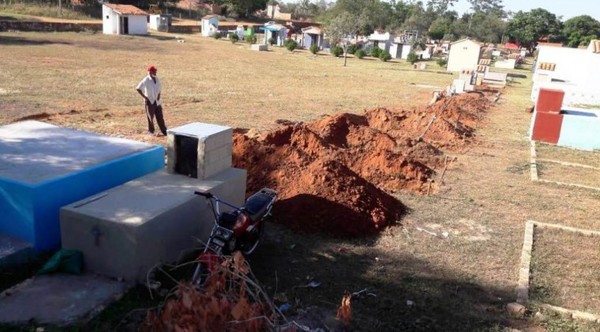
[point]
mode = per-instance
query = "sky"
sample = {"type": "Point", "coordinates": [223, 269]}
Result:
{"type": "Point", "coordinates": [565, 8]}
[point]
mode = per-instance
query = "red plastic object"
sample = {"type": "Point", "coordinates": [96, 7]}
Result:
{"type": "Point", "coordinates": [549, 101]}
{"type": "Point", "coordinates": [210, 260]}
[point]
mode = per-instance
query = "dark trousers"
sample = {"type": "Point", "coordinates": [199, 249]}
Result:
{"type": "Point", "coordinates": [153, 110]}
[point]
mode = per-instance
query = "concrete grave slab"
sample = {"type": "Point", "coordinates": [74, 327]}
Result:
{"type": "Point", "coordinates": [59, 299]}
{"type": "Point", "coordinates": [259, 47]}
{"type": "Point", "coordinates": [43, 167]}
{"type": "Point", "coordinates": [14, 252]}
{"type": "Point", "coordinates": [127, 230]}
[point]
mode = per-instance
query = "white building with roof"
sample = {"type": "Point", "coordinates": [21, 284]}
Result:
{"type": "Point", "coordinates": [464, 55]}
{"type": "Point", "coordinates": [275, 32]}
{"type": "Point", "coordinates": [312, 35]}
{"type": "Point", "coordinates": [380, 39]}
{"type": "Point", "coordinates": [123, 20]}
{"type": "Point", "coordinates": [209, 25]}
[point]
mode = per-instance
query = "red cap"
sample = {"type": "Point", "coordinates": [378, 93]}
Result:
{"type": "Point", "coordinates": [152, 68]}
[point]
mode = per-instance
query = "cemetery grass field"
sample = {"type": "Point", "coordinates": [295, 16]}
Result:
{"type": "Point", "coordinates": [421, 282]}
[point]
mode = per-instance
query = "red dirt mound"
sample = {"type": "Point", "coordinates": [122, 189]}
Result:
{"type": "Point", "coordinates": [331, 174]}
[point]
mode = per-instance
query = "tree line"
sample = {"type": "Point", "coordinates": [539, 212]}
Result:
{"type": "Point", "coordinates": [487, 20]}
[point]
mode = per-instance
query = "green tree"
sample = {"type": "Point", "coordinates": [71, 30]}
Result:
{"type": "Point", "coordinates": [243, 8]}
{"type": "Point", "coordinates": [440, 28]}
{"type": "Point", "coordinates": [460, 28]}
{"type": "Point", "coordinates": [486, 27]}
{"type": "Point", "coordinates": [440, 6]}
{"type": "Point", "coordinates": [580, 30]}
{"type": "Point", "coordinates": [307, 8]}
{"type": "Point", "coordinates": [419, 18]}
{"type": "Point", "coordinates": [400, 13]}
{"type": "Point", "coordinates": [370, 14]}
{"type": "Point", "coordinates": [339, 28]}
{"type": "Point", "coordinates": [526, 28]}
{"type": "Point", "coordinates": [488, 7]}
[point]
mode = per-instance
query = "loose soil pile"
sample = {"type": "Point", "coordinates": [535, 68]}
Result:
{"type": "Point", "coordinates": [335, 175]}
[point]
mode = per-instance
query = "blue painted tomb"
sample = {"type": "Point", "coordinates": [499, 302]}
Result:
{"type": "Point", "coordinates": [44, 167]}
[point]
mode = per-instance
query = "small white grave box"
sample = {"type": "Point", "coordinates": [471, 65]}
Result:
{"type": "Point", "coordinates": [458, 86]}
{"type": "Point", "coordinates": [259, 47]}
{"type": "Point", "coordinates": [199, 150]}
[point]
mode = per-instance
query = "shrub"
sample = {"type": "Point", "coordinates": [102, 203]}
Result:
{"type": "Point", "coordinates": [251, 39]}
{"type": "Point", "coordinates": [314, 49]}
{"type": "Point", "coordinates": [360, 53]}
{"type": "Point", "coordinates": [375, 51]}
{"type": "Point", "coordinates": [412, 57]}
{"type": "Point", "coordinates": [352, 48]}
{"type": "Point", "coordinates": [337, 51]}
{"type": "Point", "coordinates": [442, 62]}
{"type": "Point", "coordinates": [234, 38]}
{"type": "Point", "coordinates": [216, 35]}
{"type": "Point", "coordinates": [384, 56]}
{"type": "Point", "coordinates": [290, 44]}
{"type": "Point", "coordinates": [272, 41]}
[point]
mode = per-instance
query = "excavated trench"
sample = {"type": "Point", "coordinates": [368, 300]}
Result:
{"type": "Point", "coordinates": [336, 175]}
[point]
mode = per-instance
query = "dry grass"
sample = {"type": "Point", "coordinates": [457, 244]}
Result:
{"type": "Point", "coordinates": [552, 171]}
{"type": "Point", "coordinates": [565, 269]}
{"type": "Point", "coordinates": [460, 282]}
{"type": "Point", "coordinates": [31, 12]}
{"type": "Point", "coordinates": [203, 80]}
{"type": "Point", "coordinates": [563, 154]}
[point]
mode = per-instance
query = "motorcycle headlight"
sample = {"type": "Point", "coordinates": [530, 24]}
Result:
{"type": "Point", "coordinates": [223, 233]}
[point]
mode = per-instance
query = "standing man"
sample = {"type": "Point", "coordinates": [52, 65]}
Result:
{"type": "Point", "coordinates": [149, 89]}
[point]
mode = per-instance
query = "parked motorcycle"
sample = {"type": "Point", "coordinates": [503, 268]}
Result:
{"type": "Point", "coordinates": [238, 229]}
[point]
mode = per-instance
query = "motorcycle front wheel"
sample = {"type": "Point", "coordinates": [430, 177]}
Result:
{"type": "Point", "coordinates": [250, 241]}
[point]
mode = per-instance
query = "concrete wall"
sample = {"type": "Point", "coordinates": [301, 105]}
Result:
{"type": "Point", "coordinates": [184, 29]}
{"type": "Point", "coordinates": [127, 230]}
{"type": "Point", "coordinates": [308, 40]}
{"type": "Point", "coordinates": [396, 50]}
{"type": "Point", "coordinates": [138, 25]}
{"type": "Point", "coordinates": [110, 21]}
{"type": "Point", "coordinates": [579, 70]}
{"type": "Point", "coordinates": [580, 129]}
{"type": "Point", "coordinates": [570, 62]}
{"type": "Point", "coordinates": [571, 127]}
{"type": "Point", "coordinates": [159, 22]}
{"type": "Point", "coordinates": [49, 26]}
{"type": "Point", "coordinates": [463, 55]}
{"type": "Point", "coordinates": [574, 94]}
{"type": "Point", "coordinates": [506, 64]}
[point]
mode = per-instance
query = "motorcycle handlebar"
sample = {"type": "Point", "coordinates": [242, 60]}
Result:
{"type": "Point", "coordinates": [206, 194]}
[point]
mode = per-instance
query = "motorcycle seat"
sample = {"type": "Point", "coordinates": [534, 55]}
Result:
{"type": "Point", "coordinates": [258, 203]}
